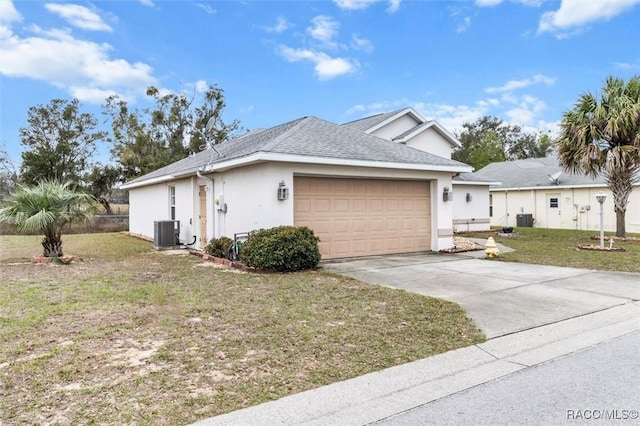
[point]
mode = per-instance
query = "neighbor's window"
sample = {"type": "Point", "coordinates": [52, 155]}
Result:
{"type": "Point", "coordinates": [553, 203]}
{"type": "Point", "coordinates": [172, 202]}
{"type": "Point", "coordinates": [490, 205]}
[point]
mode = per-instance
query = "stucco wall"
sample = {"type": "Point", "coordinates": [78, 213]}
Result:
{"type": "Point", "coordinates": [151, 203]}
{"type": "Point", "coordinates": [396, 127]}
{"type": "Point", "coordinates": [577, 208]}
{"type": "Point", "coordinates": [250, 195]}
{"type": "Point", "coordinates": [472, 215]}
{"type": "Point", "coordinates": [431, 141]}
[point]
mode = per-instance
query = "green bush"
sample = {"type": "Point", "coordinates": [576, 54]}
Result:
{"type": "Point", "coordinates": [281, 249]}
{"type": "Point", "coordinates": [219, 247]}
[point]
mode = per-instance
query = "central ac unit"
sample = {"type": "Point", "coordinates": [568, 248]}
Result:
{"type": "Point", "coordinates": [166, 233]}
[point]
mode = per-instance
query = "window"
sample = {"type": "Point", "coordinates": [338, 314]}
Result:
{"type": "Point", "coordinates": [553, 203]}
{"type": "Point", "coordinates": [490, 205]}
{"type": "Point", "coordinates": [172, 202]}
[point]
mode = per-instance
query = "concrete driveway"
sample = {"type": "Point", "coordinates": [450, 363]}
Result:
{"type": "Point", "coordinates": [502, 298]}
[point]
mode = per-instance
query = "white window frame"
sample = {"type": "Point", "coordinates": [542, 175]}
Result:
{"type": "Point", "coordinates": [172, 202]}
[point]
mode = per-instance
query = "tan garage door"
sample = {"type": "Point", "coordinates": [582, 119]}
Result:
{"type": "Point", "coordinates": [362, 217]}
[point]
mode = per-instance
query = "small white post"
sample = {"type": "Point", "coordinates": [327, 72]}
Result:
{"type": "Point", "coordinates": [601, 196]}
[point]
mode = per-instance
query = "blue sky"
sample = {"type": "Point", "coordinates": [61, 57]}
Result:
{"type": "Point", "coordinates": [524, 61]}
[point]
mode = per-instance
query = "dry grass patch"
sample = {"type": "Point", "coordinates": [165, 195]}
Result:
{"type": "Point", "coordinates": [559, 247]}
{"type": "Point", "coordinates": [135, 336]}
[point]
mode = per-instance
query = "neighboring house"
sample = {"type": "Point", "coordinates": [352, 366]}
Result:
{"type": "Point", "coordinates": [538, 189]}
{"type": "Point", "coordinates": [362, 190]}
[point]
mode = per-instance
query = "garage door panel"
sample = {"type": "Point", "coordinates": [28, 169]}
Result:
{"type": "Point", "coordinates": [358, 217]}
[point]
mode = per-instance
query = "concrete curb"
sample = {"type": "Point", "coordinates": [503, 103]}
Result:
{"type": "Point", "coordinates": [376, 396]}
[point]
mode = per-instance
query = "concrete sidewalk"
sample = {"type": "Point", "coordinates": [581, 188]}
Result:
{"type": "Point", "coordinates": [530, 313]}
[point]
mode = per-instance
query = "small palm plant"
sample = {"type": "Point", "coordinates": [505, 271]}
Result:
{"type": "Point", "coordinates": [48, 208]}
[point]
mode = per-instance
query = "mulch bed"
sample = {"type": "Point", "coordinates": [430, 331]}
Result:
{"type": "Point", "coordinates": [590, 247]}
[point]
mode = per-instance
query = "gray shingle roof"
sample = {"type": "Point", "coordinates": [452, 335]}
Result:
{"type": "Point", "coordinates": [472, 177]}
{"type": "Point", "coordinates": [532, 172]}
{"type": "Point", "coordinates": [364, 124]}
{"type": "Point", "coordinates": [307, 136]}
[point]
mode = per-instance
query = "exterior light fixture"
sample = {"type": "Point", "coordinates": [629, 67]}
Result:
{"type": "Point", "coordinates": [447, 194]}
{"type": "Point", "coordinates": [601, 197]}
{"type": "Point", "coordinates": [283, 191]}
{"type": "Point", "coordinates": [469, 197]}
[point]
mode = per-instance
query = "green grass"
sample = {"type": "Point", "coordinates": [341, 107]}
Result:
{"type": "Point", "coordinates": [558, 247]}
{"type": "Point", "coordinates": [130, 335]}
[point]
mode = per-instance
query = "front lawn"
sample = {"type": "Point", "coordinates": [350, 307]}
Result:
{"type": "Point", "coordinates": [558, 247]}
{"type": "Point", "coordinates": [130, 335]}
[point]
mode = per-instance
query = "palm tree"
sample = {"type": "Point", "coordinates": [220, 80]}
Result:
{"type": "Point", "coordinates": [602, 136]}
{"type": "Point", "coordinates": [48, 208]}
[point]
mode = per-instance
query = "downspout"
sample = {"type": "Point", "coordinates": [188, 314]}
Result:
{"type": "Point", "coordinates": [213, 216]}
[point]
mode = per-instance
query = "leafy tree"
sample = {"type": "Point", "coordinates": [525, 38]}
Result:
{"type": "Point", "coordinates": [8, 173]}
{"type": "Point", "coordinates": [601, 135]}
{"type": "Point", "coordinates": [101, 182]}
{"type": "Point", "coordinates": [48, 208]}
{"type": "Point", "coordinates": [489, 140]}
{"type": "Point", "coordinates": [169, 130]}
{"type": "Point", "coordinates": [59, 142]}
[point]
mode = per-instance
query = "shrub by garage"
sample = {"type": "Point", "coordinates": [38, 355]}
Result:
{"type": "Point", "coordinates": [281, 249]}
{"type": "Point", "coordinates": [219, 247]}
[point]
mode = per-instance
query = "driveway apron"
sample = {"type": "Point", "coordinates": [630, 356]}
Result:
{"type": "Point", "coordinates": [502, 298]}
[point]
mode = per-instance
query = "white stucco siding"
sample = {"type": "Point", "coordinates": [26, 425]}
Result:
{"type": "Point", "coordinates": [470, 207]}
{"type": "Point", "coordinates": [577, 208]}
{"type": "Point", "coordinates": [396, 127]}
{"type": "Point", "coordinates": [431, 141]}
{"type": "Point", "coordinates": [151, 203]}
{"type": "Point", "coordinates": [250, 194]}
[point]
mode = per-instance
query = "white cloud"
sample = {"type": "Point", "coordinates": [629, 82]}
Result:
{"type": "Point", "coordinates": [394, 5]}
{"type": "Point", "coordinates": [280, 26]}
{"type": "Point", "coordinates": [574, 14]}
{"type": "Point", "coordinates": [487, 3]}
{"type": "Point", "coordinates": [147, 3]}
{"type": "Point", "coordinates": [78, 16]}
{"type": "Point", "coordinates": [526, 111]}
{"type": "Point", "coordinates": [201, 86]}
{"type": "Point", "coordinates": [207, 8]}
{"type": "Point", "coordinates": [464, 26]}
{"type": "Point", "coordinates": [520, 84]}
{"type": "Point", "coordinates": [8, 15]}
{"type": "Point", "coordinates": [627, 65]}
{"type": "Point", "coordinates": [326, 67]}
{"type": "Point", "coordinates": [491, 3]}
{"type": "Point", "coordinates": [363, 44]}
{"type": "Point", "coordinates": [324, 29]}
{"type": "Point", "coordinates": [83, 68]}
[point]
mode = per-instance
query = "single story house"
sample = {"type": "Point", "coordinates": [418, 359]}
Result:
{"type": "Point", "coordinates": [373, 186]}
{"type": "Point", "coordinates": [537, 192]}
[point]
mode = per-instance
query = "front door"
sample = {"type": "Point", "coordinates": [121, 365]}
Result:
{"type": "Point", "coordinates": [554, 218]}
{"type": "Point", "coordinates": [203, 215]}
